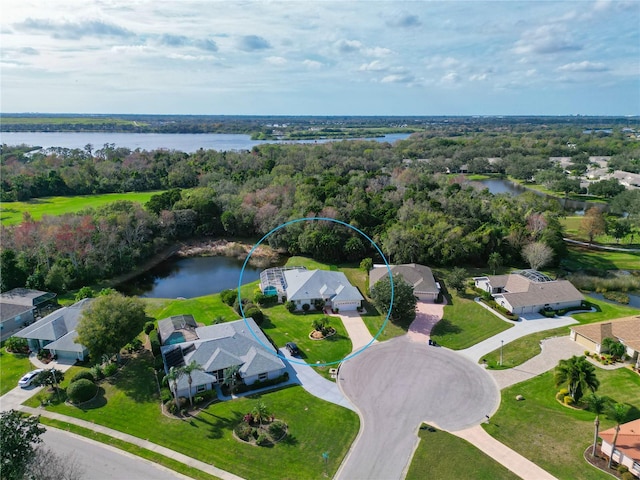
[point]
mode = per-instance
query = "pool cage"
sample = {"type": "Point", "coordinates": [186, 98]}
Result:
{"type": "Point", "coordinates": [272, 281]}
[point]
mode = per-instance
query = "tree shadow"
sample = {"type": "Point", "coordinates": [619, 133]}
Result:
{"type": "Point", "coordinates": [217, 425]}
{"type": "Point", "coordinates": [289, 440]}
{"type": "Point", "coordinates": [444, 327]}
{"type": "Point", "coordinates": [98, 401]}
{"type": "Point", "coordinates": [137, 379]}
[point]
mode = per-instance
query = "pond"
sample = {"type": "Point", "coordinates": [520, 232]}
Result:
{"type": "Point", "coordinates": [190, 277]}
{"type": "Point", "coordinates": [634, 300]}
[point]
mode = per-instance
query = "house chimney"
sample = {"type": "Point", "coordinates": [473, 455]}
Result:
{"type": "Point", "coordinates": [606, 330]}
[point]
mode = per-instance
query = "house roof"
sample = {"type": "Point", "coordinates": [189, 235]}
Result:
{"type": "Point", "coordinates": [169, 325]}
{"type": "Point", "coordinates": [418, 276]}
{"type": "Point", "coordinates": [626, 329]}
{"type": "Point", "coordinates": [228, 344]}
{"type": "Point", "coordinates": [12, 310]}
{"type": "Point", "coordinates": [67, 343]}
{"type": "Point", "coordinates": [530, 287]}
{"type": "Point", "coordinates": [56, 324]}
{"type": "Point", "coordinates": [25, 296]}
{"type": "Point", "coordinates": [628, 441]}
{"type": "Point", "coordinates": [308, 284]}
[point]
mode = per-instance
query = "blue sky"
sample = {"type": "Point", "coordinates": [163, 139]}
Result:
{"type": "Point", "coordinates": [311, 57]}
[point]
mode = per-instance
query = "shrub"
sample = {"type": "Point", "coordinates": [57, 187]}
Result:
{"type": "Point", "coordinates": [97, 372]}
{"type": "Point", "coordinates": [290, 306]}
{"type": "Point", "coordinates": [255, 313]}
{"type": "Point", "coordinates": [229, 296]}
{"type": "Point", "coordinates": [83, 374]}
{"type": "Point", "coordinates": [154, 340]}
{"type": "Point", "coordinates": [262, 439]}
{"type": "Point", "coordinates": [165, 395]}
{"type": "Point", "coordinates": [17, 345]}
{"type": "Point", "coordinates": [243, 431]}
{"type": "Point", "coordinates": [627, 476]}
{"type": "Point", "coordinates": [148, 327]}
{"type": "Point", "coordinates": [306, 307]}
{"type": "Point", "coordinates": [110, 369]}
{"type": "Point", "coordinates": [622, 468]}
{"type": "Point", "coordinates": [568, 400]}
{"type": "Point", "coordinates": [277, 429]}
{"type": "Point", "coordinates": [81, 390]}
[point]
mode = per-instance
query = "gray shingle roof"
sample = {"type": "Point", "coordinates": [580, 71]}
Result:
{"type": "Point", "coordinates": [56, 324]}
{"type": "Point", "coordinates": [11, 310]}
{"type": "Point", "coordinates": [67, 343]}
{"type": "Point", "coordinates": [307, 284]}
{"type": "Point", "coordinates": [25, 296]}
{"type": "Point", "coordinates": [520, 291]}
{"type": "Point", "coordinates": [418, 276]}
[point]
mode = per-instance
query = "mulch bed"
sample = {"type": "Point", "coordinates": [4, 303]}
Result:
{"type": "Point", "coordinates": [600, 461]}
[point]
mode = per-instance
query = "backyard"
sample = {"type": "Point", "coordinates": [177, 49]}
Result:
{"type": "Point", "coordinates": [130, 403]}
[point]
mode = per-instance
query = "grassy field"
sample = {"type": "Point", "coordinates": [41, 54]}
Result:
{"type": "Point", "coordinates": [607, 311]}
{"type": "Point", "coordinates": [204, 309]}
{"type": "Point", "coordinates": [581, 258]}
{"type": "Point", "coordinates": [12, 211]}
{"type": "Point", "coordinates": [572, 228]}
{"type": "Point", "coordinates": [554, 436]}
{"type": "Point", "coordinates": [442, 456]}
{"type": "Point", "coordinates": [12, 368]}
{"type": "Point", "coordinates": [466, 323]}
{"type": "Point", "coordinates": [68, 121]}
{"type": "Point", "coordinates": [130, 404]}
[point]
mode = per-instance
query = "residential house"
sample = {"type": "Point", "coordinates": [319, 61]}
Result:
{"type": "Point", "coordinates": [418, 276]}
{"type": "Point", "coordinates": [222, 346]}
{"type": "Point", "coordinates": [18, 307]}
{"type": "Point", "coordinates": [529, 291]}
{"type": "Point", "coordinates": [627, 445]}
{"type": "Point", "coordinates": [177, 329]}
{"type": "Point", "coordinates": [625, 330]}
{"type": "Point", "coordinates": [628, 179]}
{"type": "Point", "coordinates": [57, 332]}
{"type": "Point", "coordinates": [305, 286]}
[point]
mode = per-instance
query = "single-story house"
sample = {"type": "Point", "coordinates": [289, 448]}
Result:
{"type": "Point", "coordinates": [19, 305]}
{"type": "Point", "coordinates": [177, 329]}
{"type": "Point", "coordinates": [627, 445]}
{"type": "Point", "coordinates": [625, 330]}
{"type": "Point", "coordinates": [529, 291]}
{"type": "Point", "coordinates": [418, 276]}
{"type": "Point", "coordinates": [220, 347]}
{"type": "Point", "coordinates": [57, 332]}
{"type": "Point", "coordinates": [305, 286]}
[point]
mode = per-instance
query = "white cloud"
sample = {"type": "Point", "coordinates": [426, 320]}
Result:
{"type": "Point", "coordinates": [546, 39]}
{"type": "Point", "coordinates": [278, 61]}
{"type": "Point", "coordinates": [450, 78]}
{"type": "Point", "coordinates": [398, 78]}
{"type": "Point", "coordinates": [584, 66]}
{"type": "Point", "coordinates": [312, 64]}
{"type": "Point", "coordinates": [374, 66]}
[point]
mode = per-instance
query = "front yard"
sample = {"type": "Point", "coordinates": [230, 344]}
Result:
{"type": "Point", "coordinates": [130, 403]}
{"type": "Point", "coordinates": [13, 367]}
{"type": "Point", "coordinates": [554, 436]}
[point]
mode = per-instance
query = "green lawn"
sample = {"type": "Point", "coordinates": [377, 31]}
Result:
{"type": "Point", "coordinates": [37, 207]}
{"type": "Point", "coordinates": [466, 323]}
{"type": "Point", "coordinates": [442, 456]}
{"type": "Point", "coordinates": [554, 436]}
{"type": "Point", "coordinates": [204, 309]}
{"type": "Point", "coordinates": [12, 368]}
{"type": "Point", "coordinates": [608, 311]}
{"type": "Point", "coordinates": [131, 405]}
{"type": "Point", "coordinates": [572, 226]}
{"type": "Point", "coordinates": [581, 258]}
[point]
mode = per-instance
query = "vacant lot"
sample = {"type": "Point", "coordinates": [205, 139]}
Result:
{"type": "Point", "coordinates": [12, 211]}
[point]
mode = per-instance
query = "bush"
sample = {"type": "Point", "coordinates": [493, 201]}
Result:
{"type": "Point", "coordinates": [81, 390]}
{"type": "Point", "coordinates": [243, 431]}
{"type": "Point", "coordinates": [256, 314]}
{"type": "Point", "coordinates": [568, 400]}
{"type": "Point", "coordinates": [627, 476]}
{"type": "Point", "coordinates": [622, 468]}
{"type": "Point", "coordinates": [165, 395]}
{"type": "Point", "coordinates": [154, 340]}
{"type": "Point", "coordinates": [290, 306]}
{"type": "Point", "coordinates": [17, 345]}
{"type": "Point", "coordinates": [306, 307]}
{"type": "Point", "coordinates": [277, 429]}
{"type": "Point", "coordinates": [110, 369]}
{"type": "Point", "coordinates": [97, 372]}
{"type": "Point", "coordinates": [83, 374]}
{"type": "Point", "coordinates": [148, 327]}
{"type": "Point", "coordinates": [229, 296]}
{"type": "Point", "coordinates": [262, 439]}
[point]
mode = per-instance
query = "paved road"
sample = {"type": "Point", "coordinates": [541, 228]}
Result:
{"type": "Point", "coordinates": [398, 384]}
{"type": "Point", "coordinates": [102, 462]}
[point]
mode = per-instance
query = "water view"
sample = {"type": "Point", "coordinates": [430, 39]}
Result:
{"type": "Point", "coordinates": [185, 142]}
{"type": "Point", "coordinates": [190, 277]}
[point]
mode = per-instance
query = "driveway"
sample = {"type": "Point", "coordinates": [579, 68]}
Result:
{"type": "Point", "coordinates": [398, 384]}
{"type": "Point", "coordinates": [427, 315]}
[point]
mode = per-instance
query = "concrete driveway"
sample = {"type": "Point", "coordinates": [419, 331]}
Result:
{"type": "Point", "coordinates": [398, 384]}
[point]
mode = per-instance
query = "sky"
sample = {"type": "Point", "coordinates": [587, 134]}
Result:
{"type": "Point", "coordinates": [312, 57]}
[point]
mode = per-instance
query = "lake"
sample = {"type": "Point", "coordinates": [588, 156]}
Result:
{"type": "Point", "coordinates": [184, 142]}
{"type": "Point", "coordinates": [190, 277]}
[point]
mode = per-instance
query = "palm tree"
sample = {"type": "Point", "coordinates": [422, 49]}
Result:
{"type": "Point", "coordinates": [172, 379]}
{"type": "Point", "coordinates": [578, 374]}
{"type": "Point", "coordinates": [598, 406]}
{"type": "Point", "coordinates": [260, 412]}
{"type": "Point", "coordinates": [231, 377]}
{"type": "Point", "coordinates": [614, 347]}
{"type": "Point", "coordinates": [617, 413]}
{"type": "Point", "coordinates": [188, 370]}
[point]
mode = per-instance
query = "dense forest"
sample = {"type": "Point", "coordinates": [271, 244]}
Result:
{"type": "Point", "coordinates": [400, 195]}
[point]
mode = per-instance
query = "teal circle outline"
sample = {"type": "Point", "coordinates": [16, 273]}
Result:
{"type": "Point", "coordinates": [305, 219]}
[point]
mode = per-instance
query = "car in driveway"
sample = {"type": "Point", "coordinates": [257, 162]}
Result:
{"type": "Point", "coordinates": [26, 379]}
{"type": "Point", "coordinates": [293, 348]}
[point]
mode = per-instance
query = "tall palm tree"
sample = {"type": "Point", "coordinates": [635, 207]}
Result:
{"type": "Point", "coordinates": [260, 412]}
{"type": "Point", "coordinates": [172, 379]}
{"type": "Point", "coordinates": [598, 406]}
{"type": "Point", "coordinates": [188, 370]}
{"type": "Point", "coordinates": [617, 413]}
{"type": "Point", "coordinates": [231, 377]}
{"type": "Point", "coordinates": [578, 374]}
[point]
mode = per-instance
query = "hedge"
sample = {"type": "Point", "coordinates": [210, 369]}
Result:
{"type": "Point", "coordinates": [81, 390]}
{"type": "Point", "coordinates": [154, 340]}
{"type": "Point", "coordinates": [83, 374]}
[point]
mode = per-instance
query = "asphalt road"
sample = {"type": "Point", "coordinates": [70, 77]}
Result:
{"type": "Point", "coordinates": [102, 462]}
{"type": "Point", "coordinates": [399, 384]}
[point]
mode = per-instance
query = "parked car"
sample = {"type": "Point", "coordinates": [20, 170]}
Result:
{"type": "Point", "coordinates": [26, 380]}
{"type": "Point", "coordinates": [293, 348]}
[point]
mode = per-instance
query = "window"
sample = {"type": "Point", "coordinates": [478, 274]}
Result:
{"type": "Point", "coordinates": [200, 388]}
{"type": "Point", "coordinates": [262, 377]}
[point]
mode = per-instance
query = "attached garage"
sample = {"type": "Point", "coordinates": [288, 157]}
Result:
{"type": "Point", "coordinates": [587, 343]}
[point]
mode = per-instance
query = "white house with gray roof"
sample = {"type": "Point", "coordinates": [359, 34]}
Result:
{"type": "Point", "coordinates": [305, 286]}
{"type": "Point", "coordinates": [222, 346]}
{"type": "Point", "coordinates": [18, 307]}
{"type": "Point", "coordinates": [420, 277]}
{"type": "Point", "coordinates": [529, 291]}
{"type": "Point", "coordinates": [57, 332]}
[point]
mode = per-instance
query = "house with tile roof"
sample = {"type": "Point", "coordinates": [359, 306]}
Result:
{"type": "Point", "coordinates": [627, 450]}
{"type": "Point", "coordinates": [222, 346]}
{"type": "Point", "coordinates": [57, 332]}
{"type": "Point", "coordinates": [304, 286]}
{"type": "Point", "coordinates": [529, 291]}
{"type": "Point", "coordinates": [418, 276]}
{"type": "Point", "coordinates": [625, 330]}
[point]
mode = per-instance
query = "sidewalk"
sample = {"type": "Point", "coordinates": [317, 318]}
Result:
{"type": "Point", "coordinates": [205, 467]}
{"type": "Point", "coordinates": [502, 454]}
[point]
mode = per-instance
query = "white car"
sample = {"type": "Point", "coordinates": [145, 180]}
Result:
{"type": "Point", "coordinates": [26, 380]}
